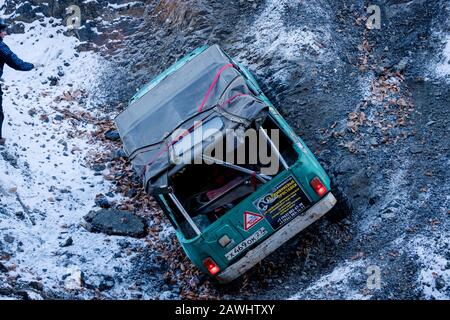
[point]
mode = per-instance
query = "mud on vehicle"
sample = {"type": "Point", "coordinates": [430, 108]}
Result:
{"type": "Point", "coordinates": [231, 175]}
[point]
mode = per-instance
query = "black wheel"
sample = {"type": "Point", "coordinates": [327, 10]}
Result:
{"type": "Point", "coordinates": [343, 207]}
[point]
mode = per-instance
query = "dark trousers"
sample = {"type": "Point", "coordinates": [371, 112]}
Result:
{"type": "Point", "coordinates": [2, 116]}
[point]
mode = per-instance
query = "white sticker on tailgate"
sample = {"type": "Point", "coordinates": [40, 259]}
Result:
{"type": "Point", "coordinates": [241, 247]}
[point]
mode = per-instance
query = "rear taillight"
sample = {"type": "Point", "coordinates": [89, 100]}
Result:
{"type": "Point", "coordinates": [212, 267]}
{"type": "Point", "coordinates": [318, 187]}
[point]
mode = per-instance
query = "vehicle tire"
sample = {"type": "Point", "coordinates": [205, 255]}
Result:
{"type": "Point", "coordinates": [343, 207]}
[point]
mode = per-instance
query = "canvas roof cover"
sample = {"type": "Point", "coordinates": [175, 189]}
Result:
{"type": "Point", "coordinates": [207, 86]}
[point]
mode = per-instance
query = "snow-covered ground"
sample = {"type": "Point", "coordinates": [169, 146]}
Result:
{"type": "Point", "coordinates": [45, 185]}
{"type": "Point", "coordinates": [334, 284]}
{"type": "Point", "coordinates": [272, 37]}
{"type": "Point", "coordinates": [435, 271]}
{"type": "Point", "coordinates": [443, 68]}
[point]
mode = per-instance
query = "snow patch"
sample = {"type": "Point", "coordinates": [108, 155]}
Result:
{"type": "Point", "coordinates": [443, 68]}
{"type": "Point", "coordinates": [434, 276]}
{"type": "Point", "coordinates": [45, 186]}
{"type": "Point", "coordinates": [123, 5]}
{"type": "Point", "coordinates": [273, 38]}
{"type": "Point", "coordinates": [335, 285]}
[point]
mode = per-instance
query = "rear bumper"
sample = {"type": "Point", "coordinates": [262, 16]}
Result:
{"type": "Point", "coordinates": [277, 239]}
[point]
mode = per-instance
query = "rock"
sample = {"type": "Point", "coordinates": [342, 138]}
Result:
{"type": "Point", "coordinates": [416, 149]}
{"type": "Point", "coordinates": [67, 243]}
{"type": "Point", "coordinates": [102, 201]}
{"type": "Point", "coordinates": [401, 65]}
{"type": "Point", "coordinates": [348, 165]}
{"type": "Point", "coordinates": [388, 214]}
{"type": "Point", "coordinates": [115, 222]}
{"type": "Point", "coordinates": [98, 167]}
{"type": "Point", "coordinates": [10, 158]}
{"type": "Point", "coordinates": [62, 142]}
{"type": "Point", "coordinates": [131, 193]}
{"type": "Point", "coordinates": [20, 215]}
{"type": "Point", "coordinates": [3, 269]}
{"type": "Point", "coordinates": [17, 27]}
{"type": "Point", "coordinates": [36, 285]}
{"type": "Point", "coordinates": [74, 279]}
{"type": "Point", "coordinates": [32, 112]}
{"type": "Point", "coordinates": [112, 135]}
{"type": "Point", "coordinates": [439, 283]}
{"type": "Point", "coordinates": [374, 142]}
{"type": "Point", "coordinates": [106, 284]}
{"type": "Point", "coordinates": [58, 117]}
{"type": "Point", "coordinates": [118, 154]}
{"type": "Point", "coordinates": [53, 81]}
{"type": "Point", "coordinates": [8, 238]}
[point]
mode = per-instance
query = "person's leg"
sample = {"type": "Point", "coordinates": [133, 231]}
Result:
{"type": "Point", "coordinates": [2, 116]}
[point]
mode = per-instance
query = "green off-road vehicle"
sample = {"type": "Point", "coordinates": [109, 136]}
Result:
{"type": "Point", "coordinates": [231, 175]}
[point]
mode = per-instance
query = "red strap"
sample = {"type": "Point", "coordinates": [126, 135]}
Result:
{"type": "Point", "coordinates": [213, 84]}
{"type": "Point", "coordinates": [233, 97]}
{"type": "Point", "coordinates": [205, 99]}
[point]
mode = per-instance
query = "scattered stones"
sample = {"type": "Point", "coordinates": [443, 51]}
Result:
{"type": "Point", "coordinates": [36, 285]}
{"type": "Point", "coordinates": [374, 142]}
{"type": "Point", "coordinates": [58, 117]}
{"type": "Point", "coordinates": [74, 279]}
{"type": "Point", "coordinates": [98, 167]}
{"type": "Point", "coordinates": [20, 215]}
{"type": "Point", "coordinates": [8, 238]}
{"type": "Point", "coordinates": [32, 112]}
{"type": "Point", "coordinates": [10, 158]}
{"type": "Point", "coordinates": [106, 284]}
{"type": "Point", "coordinates": [401, 65]}
{"type": "Point", "coordinates": [102, 201]}
{"type": "Point", "coordinates": [3, 269]}
{"type": "Point", "coordinates": [131, 193]}
{"type": "Point", "coordinates": [112, 135]}
{"type": "Point", "coordinates": [53, 81]}
{"type": "Point", "coordinates": [115, 222]}
{"type": "Point", "coordinates": [416, 149]}
{"type": "Point", "coordinates": [439, 283]}
{"type": "Point", "coordinates": [348, 165]}
{"type": "Point", "coordinates": [62, 142]}
{"type": "Point", "coordinates": [67, 243]}
{"type": "Point", "coordinates": [118, 154]}
{"type": "Point", "coordinates": [60, 72]}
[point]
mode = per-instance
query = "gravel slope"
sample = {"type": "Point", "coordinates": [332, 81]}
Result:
{"type": "Point", "coordinates": [372, 104]}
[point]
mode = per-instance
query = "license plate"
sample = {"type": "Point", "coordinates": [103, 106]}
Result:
{"type": "Point", "coordinates": [241, 247]}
